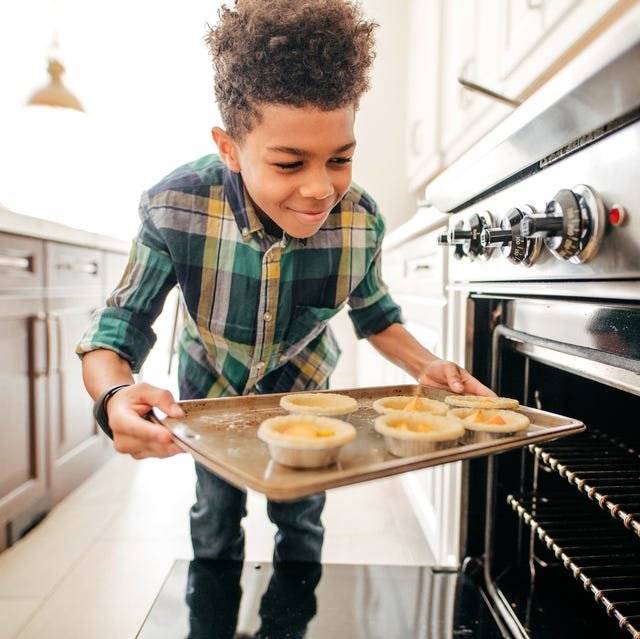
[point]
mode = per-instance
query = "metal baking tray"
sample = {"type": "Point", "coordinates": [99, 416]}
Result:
{"type": "Point", "coordinates": [221, 435]}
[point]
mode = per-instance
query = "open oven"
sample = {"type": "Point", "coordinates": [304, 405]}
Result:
{"type": "Point", "coordinates": [544, 241]}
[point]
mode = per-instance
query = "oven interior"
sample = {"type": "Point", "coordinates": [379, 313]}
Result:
{"type": "Point", "coordinates": [552, 530]}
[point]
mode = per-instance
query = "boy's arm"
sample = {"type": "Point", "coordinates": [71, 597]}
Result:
{"type": "Point", "coordinates": [401, 348]}
{"type": "Point", "coordinates": [103, 369]}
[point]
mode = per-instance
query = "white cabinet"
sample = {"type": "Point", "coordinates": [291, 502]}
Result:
{"type": "Point", "coordinates": [422, 136]}
{"type": "Point", "coordinates": [537, 37]}
{"type": "Point", "coordinates": [510, 47]}
{"type": "Point", "coordinates": [468, 53]}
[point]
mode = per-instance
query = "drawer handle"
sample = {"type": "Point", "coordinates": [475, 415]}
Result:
{"type": "Point", "coordinates": [79, 267]}
{"type": "Point", "coordinates": [486, 91]}
{"type": "Point", "coordinates": [419, 266]}
{"type": "Point", "coordinates": [16, 263]}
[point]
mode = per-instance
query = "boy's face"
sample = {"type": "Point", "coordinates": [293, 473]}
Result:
{"type": "Point", "coordinates": [295, 164]}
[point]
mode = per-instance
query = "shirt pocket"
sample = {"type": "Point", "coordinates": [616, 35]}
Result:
{"type": "Point", "coordinates": [306, 324]}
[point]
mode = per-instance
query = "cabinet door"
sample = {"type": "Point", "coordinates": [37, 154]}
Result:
{"type": "Point", "coordinates": [423, 134]}
{"type": "Point", "coordinates": [77, 447]}
{"type": "Point", "coordinates": [468, 52]}
{"type": "Point", "coordinates": [535, 37]}
{"type": "Point", "coordinates": [22, 397]}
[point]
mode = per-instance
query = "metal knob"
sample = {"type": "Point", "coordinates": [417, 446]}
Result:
{"type": "Point", "coordinates": [466, 236]}
{"type": "Point", "coordinates": [495, 237]}
{"type": "Point", "coordinates": [572, 224]}
{"type": "Point", "coordinates": [509, 238]}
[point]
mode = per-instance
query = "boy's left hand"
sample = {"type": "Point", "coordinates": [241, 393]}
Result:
{"type": "Point", "coordinates": [441, 373]}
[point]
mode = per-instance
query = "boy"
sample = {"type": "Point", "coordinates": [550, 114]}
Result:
{"type": "Point", "coordinates": [266, 241]}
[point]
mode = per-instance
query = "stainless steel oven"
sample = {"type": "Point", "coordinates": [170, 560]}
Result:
{"type": "Point", "coordinates": [544, 245]}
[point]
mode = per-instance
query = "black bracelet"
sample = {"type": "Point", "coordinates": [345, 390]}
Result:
{"type": "Point", "coordinates": [100, 409]}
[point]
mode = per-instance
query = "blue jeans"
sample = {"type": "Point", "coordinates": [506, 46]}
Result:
{"type": "Point", "coordinates": [217, 533]}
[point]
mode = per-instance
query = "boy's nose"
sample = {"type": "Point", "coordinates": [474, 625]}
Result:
{"type": "Point", "coordinates": [317, 186]}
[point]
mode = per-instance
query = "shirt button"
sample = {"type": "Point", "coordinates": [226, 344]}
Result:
{"type": "Point", "coordinates": [267, 317]}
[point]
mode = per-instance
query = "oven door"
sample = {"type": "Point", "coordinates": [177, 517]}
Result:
{"type": "Point", "coordinates": [552, 531]}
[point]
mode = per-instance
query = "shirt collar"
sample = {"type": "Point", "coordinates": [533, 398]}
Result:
{"type": "Point", "coordinates": [241, 205]}
{"type": "Point", "coordinates": [243, 210]}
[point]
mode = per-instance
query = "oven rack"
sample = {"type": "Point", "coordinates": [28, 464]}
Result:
{"type": "Point", "coordinates": [599, 553]}
{"type": "Point", "coordinates": [602, 467]}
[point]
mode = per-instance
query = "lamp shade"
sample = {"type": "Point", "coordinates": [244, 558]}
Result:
{"type": "Point", "coordinates": [55, 93]}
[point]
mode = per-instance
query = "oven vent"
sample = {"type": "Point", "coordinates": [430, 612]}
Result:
{"type": "Point", "coordinates": [601, 555]}
{"type": "Point", "coordinates": [605, 469]}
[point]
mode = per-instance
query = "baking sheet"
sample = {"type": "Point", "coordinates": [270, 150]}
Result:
{"type": "Point", "coordinates": [221, 435]}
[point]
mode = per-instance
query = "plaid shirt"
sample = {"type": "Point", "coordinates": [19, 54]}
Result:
{"type": "Point", "coordinates": [256, 307]}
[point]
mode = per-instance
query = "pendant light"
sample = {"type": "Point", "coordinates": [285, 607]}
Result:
{"type": "Point", "coordinates": [55, 94]}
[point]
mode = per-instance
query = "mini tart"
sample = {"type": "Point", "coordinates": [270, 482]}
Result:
{"type": "Point", "coordinates": [407, 434]}
{"type": "Point", "coordinates": [305, 441]}
{"type": "Point", "coordinates": [490, 420]}
{"type": "Point", "coordinates": [319, 404]}
{"type": "Point", "coordinates": [409, 404]}
{"type": "Point", "coordinates": [306, 431]}
{"type": "Point", "coordinates": [482, 401]}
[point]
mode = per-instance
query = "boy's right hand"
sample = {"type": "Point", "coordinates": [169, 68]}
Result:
{"type": "Point", "coordinates": [132, 432]}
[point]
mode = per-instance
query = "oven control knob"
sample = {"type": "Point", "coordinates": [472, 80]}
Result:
{"type": "Point", "coordinates": [572, 224]}
{"type": "Point", "coordinates": [465, 236]}
{"type": "Point", "coordinates": [456, 237]}
{"type": "Point", "coordinates": [508, 237]}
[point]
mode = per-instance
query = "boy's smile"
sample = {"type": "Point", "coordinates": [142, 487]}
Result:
{"type": "Point", "coordinates": [295, 163]}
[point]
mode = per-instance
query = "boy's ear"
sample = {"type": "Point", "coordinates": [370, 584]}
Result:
{"type": "Point", "coordinates": [227, 148]}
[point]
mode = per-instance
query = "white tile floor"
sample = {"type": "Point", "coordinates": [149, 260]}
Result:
{"type": "Point", "coordinates": [93, 567]}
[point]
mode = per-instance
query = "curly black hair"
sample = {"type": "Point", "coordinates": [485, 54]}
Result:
{"type": "Point", "coordinates": [294, 52]}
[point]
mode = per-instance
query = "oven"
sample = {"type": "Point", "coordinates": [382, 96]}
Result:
{"type": "Point", "coordinates": [544, 269]}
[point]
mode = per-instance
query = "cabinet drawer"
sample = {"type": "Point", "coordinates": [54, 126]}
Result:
{"type": "Point", "coordinates": [21, 263]}
{"type": "Point", "coordinates": [417, 267]}
{"type": "Point", "coordinates": [75, 266]}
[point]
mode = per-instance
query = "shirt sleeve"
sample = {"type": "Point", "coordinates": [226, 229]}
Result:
{"type": "Point", "coordinates": [372, 307]}
{"type": "Point", "coordinates": [124, 324]}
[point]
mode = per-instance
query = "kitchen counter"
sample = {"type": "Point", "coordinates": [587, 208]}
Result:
{"type": "Point", "coordinates": [425, 219]}
{"type": "Point", "coordinates": [18, 224]}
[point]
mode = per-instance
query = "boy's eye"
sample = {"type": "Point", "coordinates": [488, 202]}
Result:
{"type": "Point", "coordinates": [287, 166]}
{"type": "Point", "coordinates": [290, 166]}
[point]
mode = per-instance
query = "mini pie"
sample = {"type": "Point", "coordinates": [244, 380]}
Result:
{"type": "Point", "coordinates": [491, 420]}
{"type": "Point", "coordinates": [319, 404]}
{"type": "Point", "coordinates": [482, 401]}
{"type": "Point", "coordinates": [407, 434]}
{"type": "Point", "coordinates": [409, 404]}
{"type": "Point", "coordinates": [305, 441]}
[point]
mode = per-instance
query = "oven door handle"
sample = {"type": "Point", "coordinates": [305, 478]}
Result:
{"type": "Point", "coordinates": [612, 370]}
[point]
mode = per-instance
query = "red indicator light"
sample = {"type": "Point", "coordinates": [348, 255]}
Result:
{"type": "Point", "coordinates": [616, 215]}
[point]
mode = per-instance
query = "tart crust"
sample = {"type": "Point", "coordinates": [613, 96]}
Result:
{"type": "Point", "coordinates": [482, 401]}
{"type": "Point", "coordinates": [299, 451]}
{"type": "Point", "coordinates": [513, 421]}
{"type": "Point", "coordinates": [319, 404]}
{"type": "Point", "coordinates": [272, 431]}
{"type": "Point", "coordinates": [409, 404]}
{"type": "Point", "coordinates": [444, 432]}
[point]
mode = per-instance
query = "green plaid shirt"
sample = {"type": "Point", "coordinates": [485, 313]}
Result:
{"type": "Point", "coordinates": [256, 308]}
